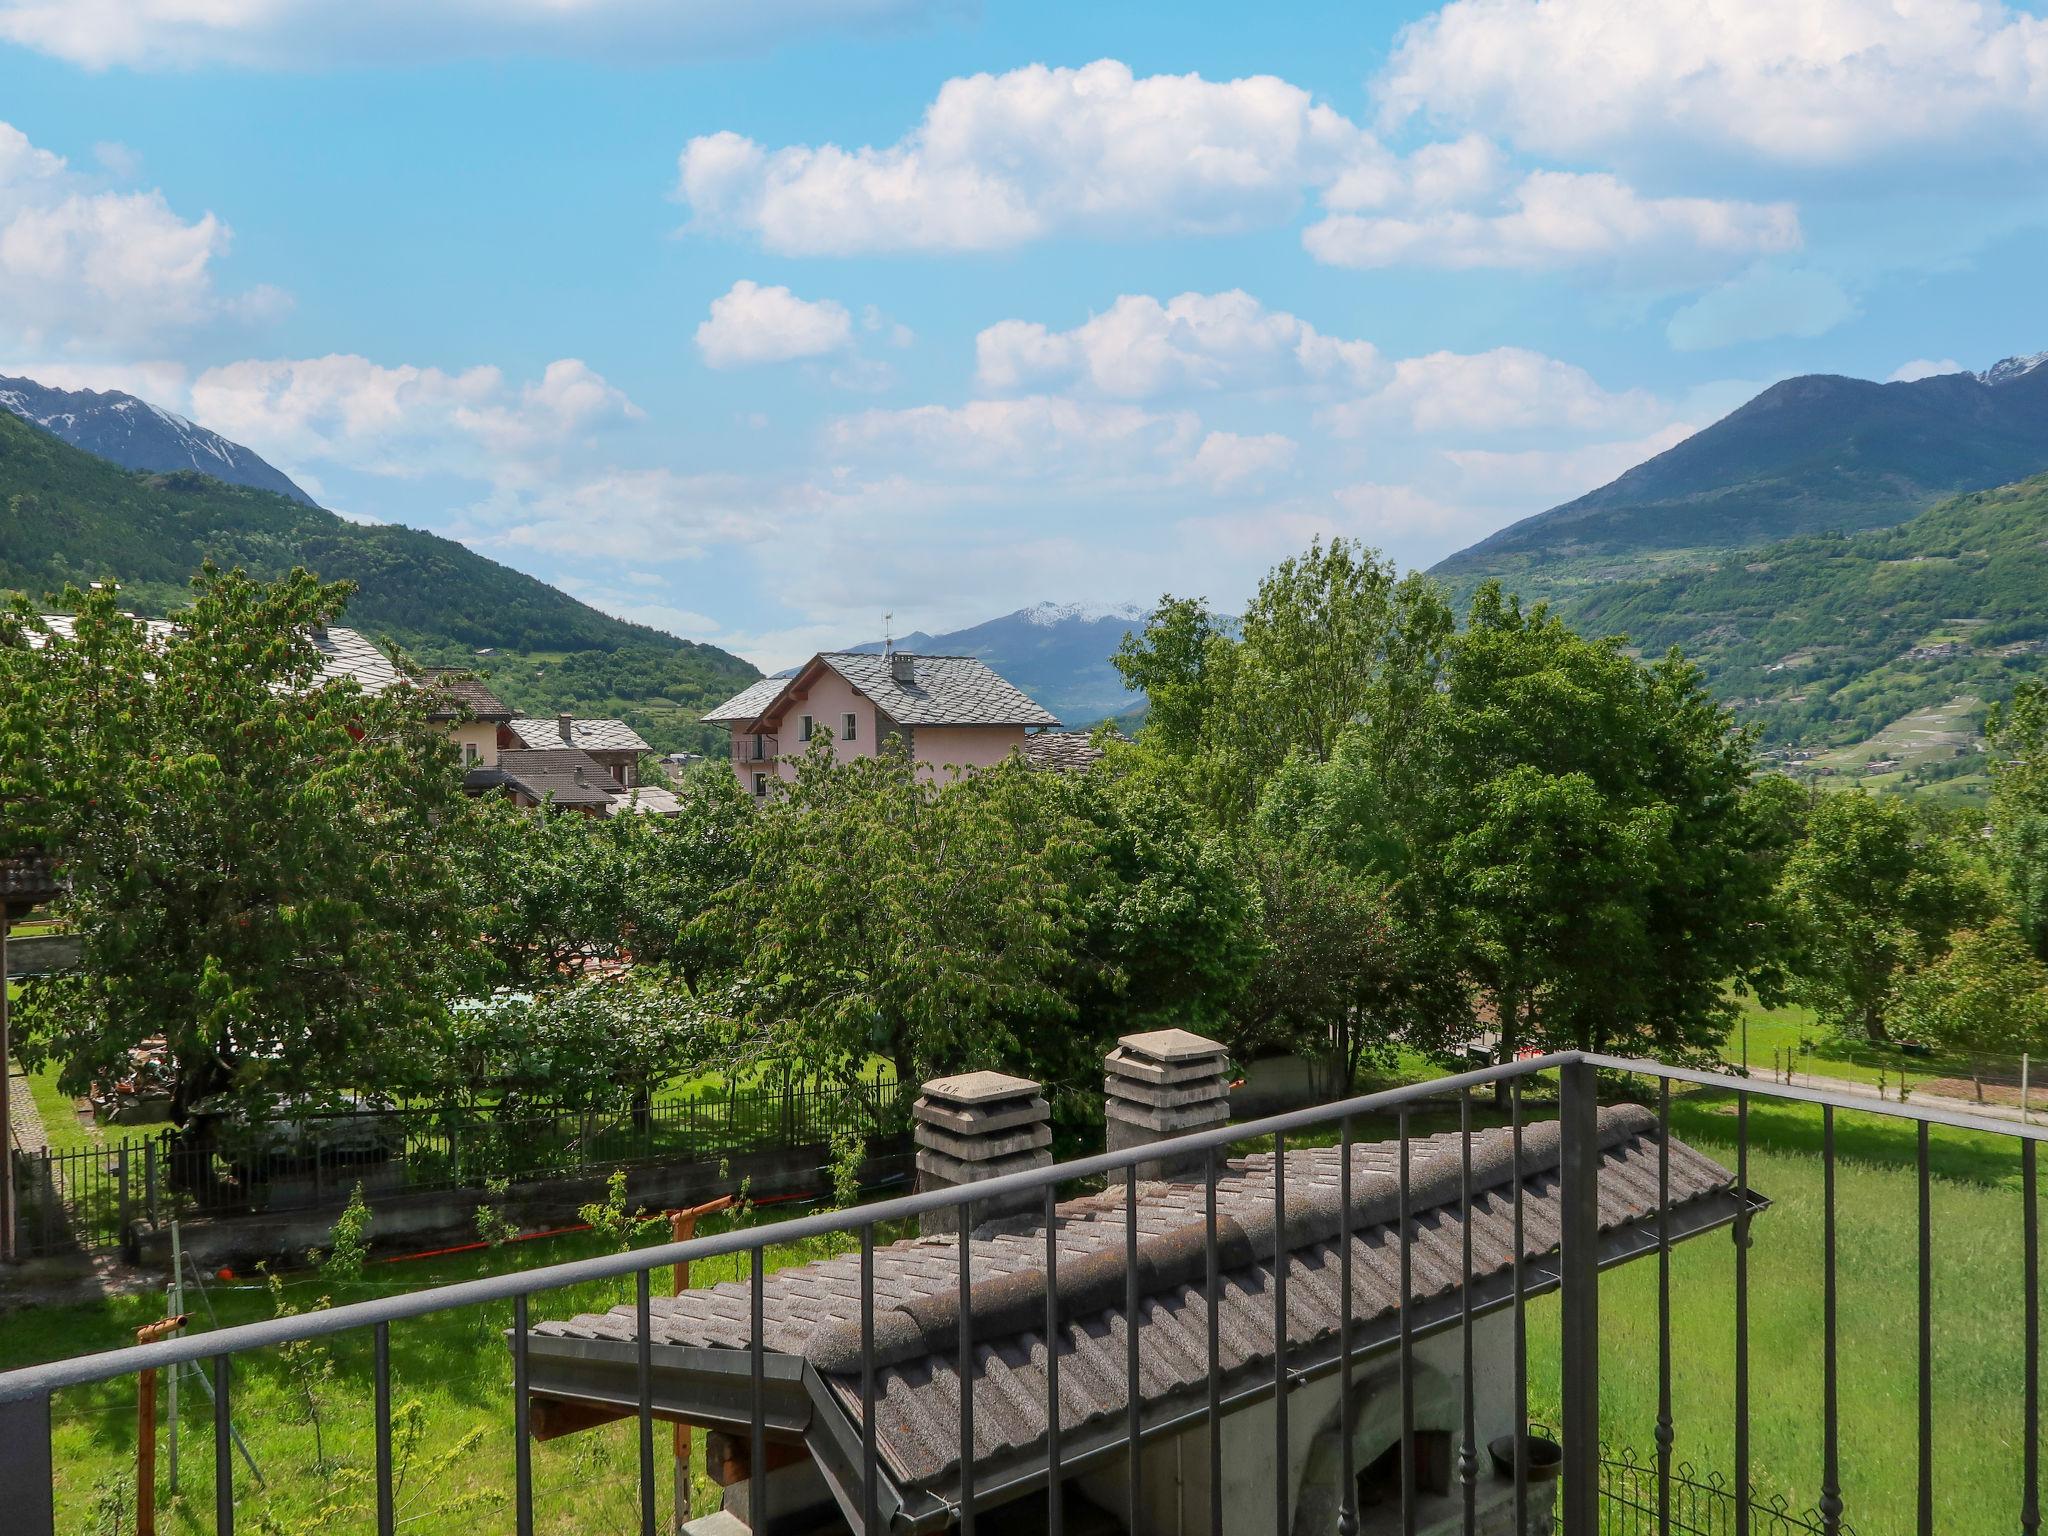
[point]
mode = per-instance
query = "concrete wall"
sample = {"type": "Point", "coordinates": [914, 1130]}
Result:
{"type": "Point", "coordinates": [1176, 1470]}
{"type": "Point", "coordinates": [426, 1219]}
{"type": "Point", "coordinates": [480, 734]}
{"type": "Point", "coordinates": [939, 747]}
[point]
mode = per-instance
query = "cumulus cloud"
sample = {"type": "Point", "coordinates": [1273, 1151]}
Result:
{"type": "Point", "coordinates": [1140, 348]}
{"type": "Point", "coordinates": [1037, 436]}
{"type": "Point", "coordinates": [1924, 368]}
{"type": "Point", "coordinates": [753, 324]}
{"type": "Point", "coordinates": [1836, 82]}
{"type": "Point", "coordinates": [94, 272]}
{"type": "Point", "coordinates": [1507, 389]}
{"type": "Point", "coordinates": [1559, 219]}
{"type": "Point", "coordinates": [999, 160]}
{"type": "Point", "coordinates": [403, 420]}
{"type": "Point", "coordinates": [1763, 302]}
{"type": "Point", "coordinates": [1229, 461]}
{"type": "Point", "coordinates": [267, 34]}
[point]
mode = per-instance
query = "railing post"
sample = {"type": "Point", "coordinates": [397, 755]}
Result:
{"type": "Point", "coordinates": [1579, 1264]}
{"type": "Point", "coordinates": [26, 1485]}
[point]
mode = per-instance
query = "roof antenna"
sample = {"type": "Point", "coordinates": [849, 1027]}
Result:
{"type": "Point", "coordinates": [888, 634]}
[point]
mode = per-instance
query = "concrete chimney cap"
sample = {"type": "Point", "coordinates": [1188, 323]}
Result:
{"type": "Point", "coordinates": [979, 1087]}
{"type": "Point", "coordinates": [1172, 1045]}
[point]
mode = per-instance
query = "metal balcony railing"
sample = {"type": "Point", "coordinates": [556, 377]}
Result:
{"type": "Point", "coordinates": [760, 749]}
{"type": "Point", "coordinates": [760, 1394]}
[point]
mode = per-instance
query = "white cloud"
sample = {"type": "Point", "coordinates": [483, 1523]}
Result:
{"type": "Point", "coordinates": [999, 160]}
{"type": "Point", "coordinates": [623, 515]}
{"type": "Point", "coordinates": [1140, 348]}
{"type": "Point", "coordinates": [403, 420]}
{"type": "Point", "coordinates": [1763, 302]}
{"type": "Point", "coordinates": [1558, 219]}
{"type": "Point", "coordinates": [1228, 461]}
{"type": "Point", "coordinates": [91, 272]}
{"type": "Point", "coordinates": [753, 324]}
{"type": "Point", "coordinates": [1507, 389]}
{"type": "Point", "coordinates": [1825, 82]}
{"type": "Point", "coordinates": [1037, 436]}
{"type": "Point", "coordinates": [298, 34]}
{"type": "Point", "coordinates": [1924, 368]}
{"type": "Point", "coordinates": [159, 381]}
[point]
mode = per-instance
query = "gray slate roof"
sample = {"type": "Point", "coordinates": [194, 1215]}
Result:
{"type": "Point", "coordinates": [584, 735]}
{"type": "Point", "coordinates": [571, 776]}
{"type": "Point", "coordinates": [813, 1312]}
{"type": "Point", "coordinates": [343, 652]}
{"type": "Point", "coordinates": [946, 690]}
{"type": "Point", "coordinates": [1068, 751]}
{"type": "Point", "coordinates": [748, 703]}
{"type": "Point", "coordinates": [465, 692]}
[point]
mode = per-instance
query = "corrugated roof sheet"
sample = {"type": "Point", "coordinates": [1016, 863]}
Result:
{"type": "Point", "coordinates": [812, 1311]}
{"type": "Point", "coordinates": [584, 735]}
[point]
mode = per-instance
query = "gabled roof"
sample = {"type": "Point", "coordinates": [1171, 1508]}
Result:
{"type": "Point", "coordinates": [571, 776]}
{"type": "Point", "coordinates": [943, 690]}
{"type": "Point", "coordinates": [1068, 751]}
{"type": "Point", "coordinates": [584, 735]}
{"type": "Point", "coordinates": [811, 1313]}
{"type": "Point", "coordinates": [645, 800]}
{"type": "Point", "coordinates": [747, 704]}
{"type": "Point", "coordinates": [343, 652]}
{"type": "Point", "coordinates": [465, 693]}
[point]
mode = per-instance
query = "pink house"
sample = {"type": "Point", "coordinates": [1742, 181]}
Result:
{"type": "Point", "coordinates": [950, 711]}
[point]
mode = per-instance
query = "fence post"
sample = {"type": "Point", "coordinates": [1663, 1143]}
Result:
{"type": "Point", "coordinates": [121, 1236]}
{"type": "Point", "coordinates": [1578, 1115]}
{"type": "Point", "coordinates": [26, 1484]}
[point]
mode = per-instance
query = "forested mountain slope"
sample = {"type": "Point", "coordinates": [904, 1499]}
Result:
{"type": "Point", "coordinates": [1826, 638]}
{"type": "Point", "coordinates": [66, 515]}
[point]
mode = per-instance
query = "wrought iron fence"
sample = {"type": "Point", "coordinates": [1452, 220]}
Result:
{"type": "Point", "coordinates": [1701, 1504]}
{"type": "Point", "coordinates": [1560, 1244]}
{"type": "Point", "coordinates": [87, 1198]}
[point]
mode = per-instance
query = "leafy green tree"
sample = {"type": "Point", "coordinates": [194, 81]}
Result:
{"type": "Point", "coordinates": [2019, 806]}
{"type": "Point", "coordinates": [262, 862]}
{"type": "Point", "coordinates": [1987, 996]}
{"type": "Point", "coordinates": [1587, 836]}
{"type": "Point", "coordinates": [885, 912]}
{"type": "Point", "coordinates": [1871, 896]}
{"type": "Point", "coordinates": [1169, 664]}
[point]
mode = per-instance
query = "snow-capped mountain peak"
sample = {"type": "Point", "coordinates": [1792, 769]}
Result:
{"type": "Point", "coordinates": [2008, 369]}
{"type": "Point", "coordinates": [1049, 614]}
{"type": "Point", "coordinates": [138, 435]}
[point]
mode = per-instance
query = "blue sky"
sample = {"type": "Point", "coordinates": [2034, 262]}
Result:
{"type": "Point", "coordinates": [758, 322]}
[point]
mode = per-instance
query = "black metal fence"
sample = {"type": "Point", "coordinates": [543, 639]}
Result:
{"type": "Point", "coordinates": [781, 1391]}
{"type": "Point", "coordinates": [88, 1198]}
{"type": "Point", "coordinates": [1701, 1504]}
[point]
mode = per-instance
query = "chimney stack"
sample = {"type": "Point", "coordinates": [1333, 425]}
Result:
{"type": "Point", "coordinates": [903, 667]}
{"type": "Point", "coordinates": [567, 725]}
{"type": "Point", "coordinates": [1162, 1084]}
{"type": "Point", "coordinates": [979, 1126]}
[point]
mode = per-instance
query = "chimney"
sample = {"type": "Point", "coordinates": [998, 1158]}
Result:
{"type": "Point", "coordinates": [979, 1126]}
{"type": "Point", "coordinates": [579, 773]}
{"type": "Point", "coordinates": [566, 724]}
{"type": "Point", "coordinates": [903, 667]}
{"type": "Point", "coordinates": [1162, 1084]}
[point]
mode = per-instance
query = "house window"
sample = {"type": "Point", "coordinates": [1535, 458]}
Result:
{"type": "Point", "coordinates": [804, 731]}
{"type": "Point", "coordinates": [469, 752]}
{"type": "Point", "coordinates": [760, 748]}
{"type": "Point", "coordinates": [619, 772]}
{"type": "Point", "coordinates": [846, 725]}
{"type": "Point", "coordinates": [761, 786]}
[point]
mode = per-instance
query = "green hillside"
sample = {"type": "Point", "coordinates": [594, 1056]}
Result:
{"type": "Point", "coordinates": [69, 516]}
{"type": "Point", "coordinates": [1832, 639]}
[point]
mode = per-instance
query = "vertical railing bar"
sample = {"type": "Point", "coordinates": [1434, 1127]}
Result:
{"type": "Point", "coordinates": [870, 1503]}
{"type": "Point", "coordinates": [966, 1369]}
{"type": "Point", "coordinates": [1055, 1484]}
{"type": "Point", "coordinates": [1280, 1462]}
{"type": "Point", "coordinates": [1212, 1295]}
{"type": "Point", "coordinates": [1741, 1231]}
{"type": "Point", "coordinates": [522, 1415]}
{"type": "Point", "coordinates": [1664, 1433]}
{"type": "Point", "coordinates": [1347, 1507]}
{"type": "Point", "coordinates": [1407, 1323]}
{"type": "Point", "coordinates": [1831, 1471]}
{"type": "Point", "coordinates": [760, 1514]}
{"type": "Point", "coordinates": [643, 1363]}
{"type": "Point", "coordinates": [1468, 1450]}
{"type": "Point", "coordinates": [387, 1515]}
{"type": "Point", "coordinates": [1925, 1522]}
{"type": "Point", "coordinates": [223, 1449]}
{"type": "Point", "coordinates": [1521, 1320]}
{"type": "Point", "coordinates": [1133, 1401]}
{"type": "Point", "coordinates": [1578, 1107]}
{"type": "Point", "coordinates": [2030, 1505]}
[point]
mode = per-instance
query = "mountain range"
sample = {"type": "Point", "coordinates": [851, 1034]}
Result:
{"type": "Point", "coordinates": [1808, 455]}
{"type": "Point", "coordinates": [137, 435]}
{"type": "Point", "coordinates": [68, 515]}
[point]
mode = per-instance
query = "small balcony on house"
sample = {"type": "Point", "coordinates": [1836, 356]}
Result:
{"type": "Point", "coordinates": [1419, 1310]}
{"type": "Point", "coordinates": [755, 747]}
